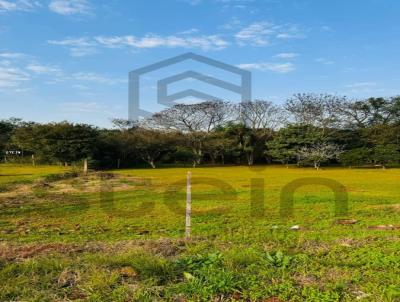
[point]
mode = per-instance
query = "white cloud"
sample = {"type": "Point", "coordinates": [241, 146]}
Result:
{"type": "Point", "coordinates": [79, 42]}
{"type": "Point", "coordinates": [290, 32]}
{"type": "Point", "coordinates": [10, 55]}
{"type": "Point", "coordinates": [256, 34]}
{"type": "Point", "coordinates": [97, 78]}
{"type": "Point", "coordinates": [234, 24]}
{"type": "Point", "coordinates": [325, 61]}
{"type": "Point", "coordinates": [265, 66]}
{"type": "Point", "coordinates": [192, 2]}
{"type": "Point", "coordinates": [11, 77]}
{"type": "Point", "coordinates": [79, 47]}
{"type": "Point", "coordinates": [188, 32]}
{"type": "Point", "coordinates": [263, 33]}
{"type": "Point", "coordinates": [20, 5]}
{"type": "Point", "coordinates": [154, 41]}
{"type": "Point", "coordinates": [69, 7]}
{"type": "Point", "coordinates": [362, 85]}
{"type": "Point", "coordinates": [44, 69]}
{"type": "Point", "coordinates": [241, 4]}
{"type": "Point", "coordinates": [85, 46]}
{"type": "Point", "coordinates": [286, 55]}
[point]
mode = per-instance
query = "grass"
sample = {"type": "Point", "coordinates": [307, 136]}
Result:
{"type": "Point", "coordinates": [117, 236]}
{"type": "Point", "coordinates": [11, 175]}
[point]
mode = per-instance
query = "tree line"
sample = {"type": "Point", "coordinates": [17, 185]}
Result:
{"type": "Point", "coordinates": [307, 130]}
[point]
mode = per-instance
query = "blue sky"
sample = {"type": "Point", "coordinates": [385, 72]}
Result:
{"type": "Point", "coordinates": [69, 59]}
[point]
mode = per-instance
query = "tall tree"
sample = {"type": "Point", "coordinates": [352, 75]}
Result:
{"type": "Point", "coordinates": [319, 153]}
{"type": "Point", "coordinates": [195, 120]}
{"type": "Point", "coordinates": [318, 110]}
{"type": "Point", "coordinates": [62, 142]}
{"type": "Point", "coordinates": [7, 128]}
{"type": "Point", "coordinates": [386, 154]}
{"type": "Point", "coordinates": [286, 143]}
{"type": "Point", "coordinates": [370, 112]}
{"type": "Point", "coordinates": [261, 115]}
{"type": "Point", "coordinates": [151, 144]}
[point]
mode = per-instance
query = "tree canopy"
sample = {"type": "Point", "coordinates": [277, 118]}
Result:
{"type": "Point", "coordinates": [309, 129]}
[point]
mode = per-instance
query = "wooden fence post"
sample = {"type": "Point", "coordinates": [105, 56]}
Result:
{"type": "Point", "coordinates": [188, 205]}
{"type": "Point", "coordinates": [85, 166]}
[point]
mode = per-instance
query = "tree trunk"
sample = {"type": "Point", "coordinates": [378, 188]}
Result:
{"type": "Point", "coordinates": [118, 163]}
{"type": "Point", "coordinates": [85, 166]}
{"type": "Point", "coordinates": [198, 154]}
{"type": "Point", "coordinates": [150, 160]}
{"type": "Point", "coordinates": [213, 160]}
{"type": "Point", "coordinates": [197, 157]}
{"type": "Point", "coordinates": [250, 158]}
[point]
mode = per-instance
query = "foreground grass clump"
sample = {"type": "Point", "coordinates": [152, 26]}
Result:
{"type": "Point", "coordinates": [232, 273]}
{"type": "Point", "coordinates": [116, 236]}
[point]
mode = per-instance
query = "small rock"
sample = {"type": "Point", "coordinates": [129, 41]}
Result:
{"type": "Point", "coordinates": [382, 227]}
{"type": "Point", "coordinates": [237, 296]}
{"type": "Point", "coordinates": [361, 295]}
{"type": "Point", "coordinates": [346, 221]}
{"type": "Point", "coordinates": [295, 228]}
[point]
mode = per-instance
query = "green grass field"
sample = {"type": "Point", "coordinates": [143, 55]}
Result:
{"type": "Point", "coordinates": [118, 236]}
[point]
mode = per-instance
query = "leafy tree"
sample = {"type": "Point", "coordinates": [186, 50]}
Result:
{"type": "Point", "coordinates": [280, 151]}
{"type": "Point", "coordinates": [318, 110]}
{"type": "Point", "coordinates": [217, 145]}
{"type": "Point", "coordinates": [386, 154]}
{"type": "Point", "coordinates": [356, 157]}
{"type": "Point", "coordinates": [195, 120]}
{"type": "Point", "coordinates": [244, 140]}
{"type": "Point", "coordinates": [62, 142]}
{"type": "Point", "coordinates": [319, 153]}
{"type": "Point", "coordinates": [368, 130]}
{"type": "Point", "coordinates": [6, 129]}
{"type": "Point", "coordinates": [151, 144]}
{"type": "Point", "coordinates": [288, 141]}
{"type": "Point", "coordinates": [370, 112]}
